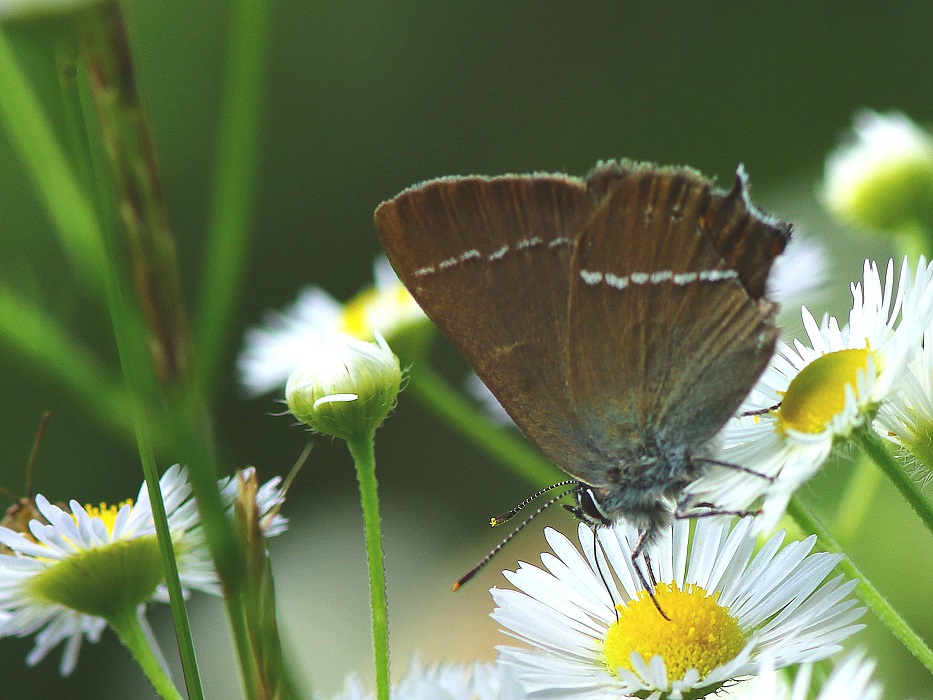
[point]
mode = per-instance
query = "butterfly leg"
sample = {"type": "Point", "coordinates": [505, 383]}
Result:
{"type": "Point", "coordinates": [636, 552]}
{"type": "Point", "coordinates": [760, 411]}
{"type": "Point", "coordinates": [735, 467]}
{"type": "Point", "coordinates": [713, 510]}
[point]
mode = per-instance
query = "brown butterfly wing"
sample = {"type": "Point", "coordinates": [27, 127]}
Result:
{"type": "Point", "coordinates": [488, 259]}
{"type": "Point", "coordinates": [668, 331]}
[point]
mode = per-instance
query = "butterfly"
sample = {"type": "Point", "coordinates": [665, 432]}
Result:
{"type": "Point", "coordinates": [619, 319]}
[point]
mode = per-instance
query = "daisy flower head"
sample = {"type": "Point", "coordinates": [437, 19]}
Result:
{"type": "Point", "coordinates": [851, 678]}
{"type": "Point", "coordinates": [446, 681]}
{"type": "Point", "coordinates": [595, 631]}
{"type": "Point", "coordinates": [273, 350]}
{"type": "Point", "coordinates": [907, 417]}
{"type": "Point", "coordinates": [82, 568]}
{"type": "Point", "coordinates": [882, 177]}
{"type": "Point", "coordinates": [814, 394]}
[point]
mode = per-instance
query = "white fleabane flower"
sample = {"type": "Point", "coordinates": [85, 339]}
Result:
{"type": "Point", "coordinates": [818, 393]}
{"type": "Point", "coordinates": [727, 608]}
{"type": "Point", "coordinates": [272, 351]}
{"type": "Point", "coordinates": [850, 679]}
{"type": "Point", "coordinates": [882, 177]}
{"type": "Point", "coordinates": [68, 577]}
{"type": "Point", "coordinates": [446, 681]}
{"type": "Point", "coordinates": [799, 270]}
{"type": "Point", "coordinates": [907, 417]}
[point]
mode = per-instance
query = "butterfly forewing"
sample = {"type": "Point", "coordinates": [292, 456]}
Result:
{"type": "Point", "coordinates": [488, 259]}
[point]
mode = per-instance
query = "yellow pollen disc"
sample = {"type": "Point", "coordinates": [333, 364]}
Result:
{"type": "Point", "coordinates": [700, 633]}
{"type": "Point", "coordinates": [355, 318]}
{"type": "Point", "coordinates": [107, 513]}
{"type": "Point", "coordinates": [817, 393]}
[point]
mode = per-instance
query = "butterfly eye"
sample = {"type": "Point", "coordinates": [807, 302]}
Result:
{"type": "Point", "coordinates": [588, 507]}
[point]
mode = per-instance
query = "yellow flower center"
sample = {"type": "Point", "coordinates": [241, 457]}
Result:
{"type": "Point", "coordinates": [700, 633]}
{"type": "Point", "coordinates": [355, 318]}
{"type": "Point", "coordinates": [106, 513]}
{"type": "Point", "coordinates": [817, 393]}
{"type": "Point", "coordinates": [385, 310]}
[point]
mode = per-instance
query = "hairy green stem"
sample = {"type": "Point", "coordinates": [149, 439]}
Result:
{"type": "Point", "coordinates": [894, 470]}
{"type": "Point", "coordinates": [363, 452]}
{"type": "Point", "coordinates": [870, 595]}
{"type": "Point", "coordinates": [129, 628]}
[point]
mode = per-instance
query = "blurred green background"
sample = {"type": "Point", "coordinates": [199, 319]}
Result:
{"type": "Point", "coordinates": [363, 100]}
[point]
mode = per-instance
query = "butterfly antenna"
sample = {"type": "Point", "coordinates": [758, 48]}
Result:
{"type": "Point", "coordinates": [43, 424]}
{"type": "Point", "coordinates": [505, 517]}
{"type": "Point", "coordinates": [599, 570]}
{"type": "Point", "coordinates": [498, 548]}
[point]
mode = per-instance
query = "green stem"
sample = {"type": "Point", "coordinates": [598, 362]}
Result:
{"type": "Point", "coordinates": [507, 446]}
{"type": "Point", "coordinates": [124, 127]}
{"type": "Point", "coordinates": [364, 457]}
{"type": "Point", "coordinates": [858, 499]}
{"type": "Point", "coordinates": [131, 341]}
{"type": "Point", "coordinates": [228, 233]}
{"type": "Point", "coordinates": [129, 628]}
{"type": "Point", "coordinates": [870, 595]}
{"type": "Point", "coordinates": [43, 341]}
{"type": "Point", "coordinates": [894, 470]}
{"type": "Point", "coordinates": [912, 242]}
{"type": "Point", "coordinates": [59, 190]}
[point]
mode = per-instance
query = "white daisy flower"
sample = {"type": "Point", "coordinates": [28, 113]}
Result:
{"type": "Point", "coordinates": [852, 678]}
{"type": "Point", "coordinates": [67, 577]}
{"type": "Point", "coordinates": [596, 633]}
{"type": "Point", "coordinates": [907, 417]}
{"type": "Point", "coordinates": [446, 681]}
{"type": "Point", "coordinates": [882, 177]}
{"type": "Point", "coordinates": [822, 391]}
{"type": "Point", "coordinates": [272, 351]}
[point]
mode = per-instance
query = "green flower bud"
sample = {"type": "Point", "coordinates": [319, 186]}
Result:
{"type": "Point", "coordinates": [883, 179]}
{"type": "Point", "coordinates": [345, 387]}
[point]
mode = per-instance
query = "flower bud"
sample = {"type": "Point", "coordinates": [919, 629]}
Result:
{"type": "Point", "coordinates": [345, 387]}
{"type": "Point", "coordinates": [883, 178]}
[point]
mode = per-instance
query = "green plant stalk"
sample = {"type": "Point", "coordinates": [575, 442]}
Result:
{"type": "Point", "coordinates": [363, 451]}
{"type": "Point", "coordinates": [192, 434]}
{"type": "Point", "coordinates": [129, 629]}
{"type": "Point", "coordinates": [232, 198]}
{"type": "Point", "coordinates": [131, 150]}
{"type": "Point", "coordinates": [912, 242]}
{"type": "Point", "coordinates": [870, 595]}
{"type": "Point", "coordinates": [60, 192]}
{"type": "Point", "coordinates": [43, 341]}
{"type": "Point", "coordinates": [894, 470]}
{"type": "Point", "coordinates": [857, 500]}
{"type": "Point", "coordinates": [507, 446]}
{"type": "Point", "coordinates": [131, 338]}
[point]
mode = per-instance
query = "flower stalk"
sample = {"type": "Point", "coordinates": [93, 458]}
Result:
{"type": "Point", "coordinates": [363, 452]}
{"type": "Point", "coordinates": [865, 589]}
{"type": "Point", "coordinates": [894, 470]}
{"type": "Point", "coordinates": [129, 628]}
